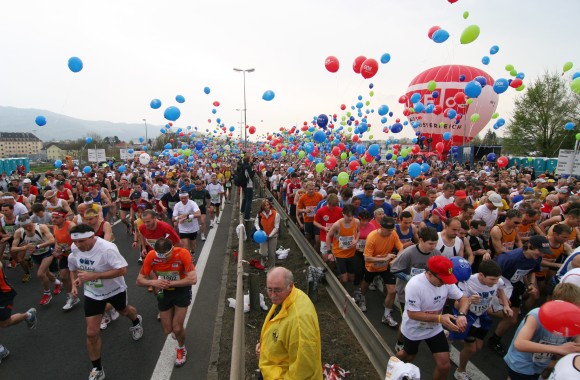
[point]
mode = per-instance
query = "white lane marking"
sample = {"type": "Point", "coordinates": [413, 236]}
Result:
{"type": "Point", "coordinates": [472, 370]}
{"type": "Point", "coordinates": [165, 363]}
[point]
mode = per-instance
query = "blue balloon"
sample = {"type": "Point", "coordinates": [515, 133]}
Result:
{"type": "Point", "coordinates": [391, 114]}
{"type": "Point", "coordinates": [319, 136]}
{"type": "Point", "coordinates": [130, 151]}
{"type": "Point", "coordinates": [521, 76]}
{"type": "Point", "coordinates": [87, 169]}
{"type": "Point", "coordinates": [172, 113]}
{"type": "Point", "coordinates": [500, 122]}
{"type": "Point", "coordinates": [461, 268]}
{"type": "Point", "coordinates": [206, 90]}
{"type": "Point", "coordinates": [214, 156]}
{"type": "Point", "coordinates": [494, 49]}
{"type": "Point", "coordinates": [429, 108]}
{"type": "Point", "coordinates": [144, 148]}
{"type": "Point", "coordinates": [482, 81]}
{"type": "Point", "coordinates": [419, 107]}
{"type": "Point", "coordinates": [75, 64]}
{"type": "Point", "coordinates": [371, 86]}
{"type": "Point", "coordinates": [155, 104]}
{"type": "Point", "coordinates": [491, 157]}
{"type": "Point", "coordinates": [391, 171]}
{"type": "Point", "coordinates": [308, 147]}
{"type": "Point", "coordinates": [268, 95]}
{"type": "Point", "coordinates": [385, 58]}
{"type": "Point", "coordinates": [447, 136]}
{"type": "Point", "coordinates": [397, 127]}
{"type": "Point", "coordinates": [322, 120]}
{"type": "Point", "coordinates": [485, 60]}
{"type": "Point", "coordinates": [162, 130]}
{"type": "Point", "coordinates": [451, 114]}
{"type": "Point", "coordinates": [57, 164]}
{"type": "Point", "coordinates": [569, 126]}
{"type": "Point", "coordinates": [500, 86]}
{"type": "Point", "coordinates": [213, 111]}
{"type": "Point", "coordinates": [461, 77]}
{"type": "Point", "coordinates": [576, 75]}
{"type": "Point", "coordinates": [440, 36]}
{"type": "Point", "coordinates": [414, 170]}
{"type": "Point", "coordinates": [360, 149]}
{"type": "Point", "coordinates": [122, 169]}
{"type": "Point", "coordinates": [435, 94]}
{"type": "Point", "coordinates": [89, 140]}
{"type": "Point", "coordinates": [425, 168]}
{"type": "Point", "coordinates": [472, 89]}
{"type": "Point", "coordinates": [167, 146]}
{"type": "Point", "coordinates": [374, 149]}
{"type": "Point", "coordinates": [172, 161]}
{"type": "Point", "coordinates": [179, 99]}
{"type": "Point", "coordinates": [415, 98]}
{"type": "Point", "coordinates": [40, 121]}
{"type": "Point", "coordinates": [383, 110]}
{"type": "Point", "coordinates": [359, 105]}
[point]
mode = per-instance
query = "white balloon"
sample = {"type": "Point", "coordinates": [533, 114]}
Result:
{"type": "Point", "coordinates": [144, 158]}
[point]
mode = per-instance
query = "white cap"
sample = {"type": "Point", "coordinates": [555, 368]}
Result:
{"type": "Point", "coordinates": [27, 180]}
{"type": "Point", "coordinates": [310, 176]}
{"type": "Point", "coordinates": [495, 199]}
{"type": "Point", "coordinates": [572, 277]}
{"type": "Point", "coordinates": [541, 180]}
{"type": "Point", "coordinates": [145, 195]}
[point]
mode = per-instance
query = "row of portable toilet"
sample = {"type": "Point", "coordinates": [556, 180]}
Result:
{"type": "Point", "coordinates": [540, 164]}
{"type": "Point", "coordinates": [7, 165]}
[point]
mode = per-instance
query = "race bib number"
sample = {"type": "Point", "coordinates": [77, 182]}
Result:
{"type": "Point", "coordinates": [519, 275]}
{"type": "Point", "coordinates": [544, 357]}
{"type": "Point", "coordinates": [171, 204]}
{"type": "Point", "coordinates": [381, 264]}
{"type": "Point", "coordinates": [151, 242]}
{"type": "Point", "coordinates": [360, 246]}
{"type": "Point", "coordinates": [199, 202]}
{"type": "Point", "coordinates": [509, 245]}
{"type": "Point", "coordinates": [228, 184]}
{"type": "Point", "coordinates": [416, 271]}
{"type": "Point", "coordinates": [310, 211]}
{"type": "Point", "coordinates": [215, 198]}
{"type": "Point", "coordinates": [479, 308]}
{"type": "Point", "coordinates": [95, 283]}
{"type": "Point", "coordinates": [344, 242]}
{"type": "Point", "coordinates": [169, 275]}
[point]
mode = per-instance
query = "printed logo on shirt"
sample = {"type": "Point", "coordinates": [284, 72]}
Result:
{"type": "Point", "coordinates": [275, 335]}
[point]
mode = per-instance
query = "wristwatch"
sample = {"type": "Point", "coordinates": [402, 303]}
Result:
{"type": "Point", "coordinates": [37, 246]}
{"type": "Point", "coordinates": [460, 314]}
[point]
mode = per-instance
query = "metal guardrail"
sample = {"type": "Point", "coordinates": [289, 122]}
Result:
{"type": "Point", "coordinates": [237, 364]}
{"type": "Point", "coordinates": [371, 341]}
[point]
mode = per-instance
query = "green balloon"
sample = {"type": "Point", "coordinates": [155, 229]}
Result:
{"type": "Point", "coordinates": [432, 85]}
{"type": "Point", "coordinates": [371, 137]}
{"type": "Point", "coordinates": [495, 115]}
{"type": "Point", "coordinates": [367, 102]}
{"type": "Point", "coordinates": [513, 73]}
{"type": "Point", "coordinates": [412, 109]}
{"type": "Point", "coordinates": [343, 156]}
{"type": "Point", "coordinates": [575, 85]}
{"type": "Point", "coordinates": [307, 133]}
{"type": "Point", "coordinates": [577, 136]}
{"type": "Point", "coordinates": [404, 153]}
{"type": "Point", "coordinates": [475, 117]}
{"type": "Point", "coordinates": [363, 161]}
{"type": "Point", "coordinates": [469, 34]}
{"type": "Point", "coordinates": [342, 178]}
{"type": "Point", "coordinates": [343, 118]}
{"type": "Point", "coordinates": [283, 153]}
{"type": "Point", "coordinates": [394, 158]}
{"type": "Point", "coordinates": [319, 167]}
{"type": "Point", "coordinates": [568, 66]}
{"type": "Point", "coordinates": [521, 88]}
{"type": "Point", "coordinates": [442, 124]}
{"type": "Point", "coordinates": [509, 67]}
{"type": "Point", "coordinates": [469, 101]}
{"type": "Point", "coordinates": [348, 114]}
{"type": "Point", "coordinates": [349, 129]}
{"type": "Point", "coordinates": [530, 159]}
{"type": "Point", "coordinates": [371, 94]}
{"type": "Point", "coordinates": [343, 123]}
{"type": "Point", "coordinates": [465, 15]}
{"type": "Point", "coordinates": [301, 154]}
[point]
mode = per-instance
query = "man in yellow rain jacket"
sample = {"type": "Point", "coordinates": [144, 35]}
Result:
{"type": "Point", "coordinates": [289, 346]}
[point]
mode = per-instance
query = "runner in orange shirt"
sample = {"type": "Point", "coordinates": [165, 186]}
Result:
{"type": "Point", "coordinates": [175, 276]}
{"type": "Point", "coordinates": [307, 207]}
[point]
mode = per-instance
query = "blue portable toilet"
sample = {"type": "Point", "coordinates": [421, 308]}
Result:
{"type": "Point", "coordinates": [551, 164]}
{"type": "Point", "coordinates": [539, 165]}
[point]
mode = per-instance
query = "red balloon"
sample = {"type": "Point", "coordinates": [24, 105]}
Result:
{"type": "Point", "coordinates": [341, 146]}
{"type": "Point", "coordinates": [216, 104]}
{"type": "Point", "coordinates": [396, 151]}
{"type": "Point", "coordinates": [368, 157]}
{"type": "Point", "coordinates": [358, 61]}
{"type": "Point", "coordinates": [252, 130]}
{"type": "Point", "coordinates": [420, 160]}
{"type": "Point", "coordinates": [404, 165]}
{"type": "Point", "coordinates": [460, 98]}
{"type": "Point", "coordinates": [403, 99]}
{"type": "Point", "coordinates": [561, 318]}
{"type": "Point", "coordinates": [307, 162]}
{"type": "Point", "coordinates": [342, 107]}
{"type": "Point", "coordinates": [353, 165]}
{"type": "Point", "coordinates": [502, 161]}
{"type": "Point", "coordinates": [171, 140]}
{"type": "Point", "coordinates": [516, 83]}
{"type": "Point", "coordinates": [369, 68]}
{"type": "Point", "coordinates": [314, 153]}
{"type": "Point", "coordinates": [406, 112]}
{"type": "Point", "coordinates": [439, 147]}
{"type": "Point", "coordinates": [336, 151]}
{"type": "Point", "coordinates": [355, 138]}
{"type": "Point", "coordinates": [331, 163]}
{"type": "Point", "coordinates": [437, 110]}
{"type": "Point", "coordinates": [432, 30]}
{"type": "Point", "coordinates": [415, 149]}
{"type": "Point", "coordinates": [331, 63]}
{"type": "Point", "coordinates": [304, 128]}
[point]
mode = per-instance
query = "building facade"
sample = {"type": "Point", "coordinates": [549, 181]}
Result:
{"type": "Point", "coordinates": [19, 144]}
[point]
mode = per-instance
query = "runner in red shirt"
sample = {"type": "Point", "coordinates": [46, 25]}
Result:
{"type": "Point", "coordinates": [324, 219]}
{"type": "Point", "coordinates": [175, 276]}
{"type": "Point", "coordinates": [154, 229]}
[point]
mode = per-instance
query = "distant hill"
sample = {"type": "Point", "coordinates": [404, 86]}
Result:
{"type": "Point", "coordinates": [60, 127]}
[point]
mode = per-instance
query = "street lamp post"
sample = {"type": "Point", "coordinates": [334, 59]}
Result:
{"type": "Point", "coordinates": [241, 120]}
{"type": "Point", "coordinates": [146, 137]}
{"type": "Point", "coordinates": [244, 71]}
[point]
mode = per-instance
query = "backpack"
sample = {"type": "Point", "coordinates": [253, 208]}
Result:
{"type": "Point", "coordinates": [240, 179]}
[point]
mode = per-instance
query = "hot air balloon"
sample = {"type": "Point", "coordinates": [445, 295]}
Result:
{"type": "Point", "coordinates": [435, 124]}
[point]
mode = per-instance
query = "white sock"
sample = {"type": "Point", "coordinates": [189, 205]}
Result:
{"type": "Point", "coordinates": [56, 281]}
{"type": "Point", "coordinates": [387, 311]}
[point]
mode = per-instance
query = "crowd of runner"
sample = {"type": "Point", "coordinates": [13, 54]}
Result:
{"type": "Point", "coordinates": [378, 232]}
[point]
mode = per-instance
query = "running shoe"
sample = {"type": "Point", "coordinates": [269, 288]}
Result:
{"type": "Point", "coordinates": [46, 298]}
{"type": "Point", "coordinates": [496, 346]}
{"type": "Point", "coordinates": [461, 375]}
{"type": "Point", "coordinates": [181, 357]}
{"type": "Point", "coordinates": [388, 320]}
{"type": "Point", "coordinates": [25, 277]}
{"type": "Point", "coordinates": [217, 221]}
{"type": "Point", "coordinates": [202, 237]}
{"type": "Point", "coordinates": [4, 353]}
{"type": "Point", "coordinates": [362, 304]}
{"type": "Point", "coordinates": [106, 320]}
{"type": "Point", "coordinates": [97, 374]}
{"type": "Point", "coordinates": [140, 261]}
{"type": "Point", "coordinates": [114, 314]}
{"type": "Point", "coordinates": [211, 224]}
{"type": "Point", "coordinates": [357, 294]}
{"type": "Point", "coordinates": [32, 319]}
{"type": "Point", "coordinates": [71, 301]}
{"type": "Point", "coordinates": [57, 288]}
{"type": "Point", "coordinates": [137, 331]}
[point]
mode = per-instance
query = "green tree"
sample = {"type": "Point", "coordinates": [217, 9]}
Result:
{"type": "Point", "coordinates": [537, 126]}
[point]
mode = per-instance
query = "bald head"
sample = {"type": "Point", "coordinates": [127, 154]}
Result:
{"type": "Point", "coordinates": [281, 273]}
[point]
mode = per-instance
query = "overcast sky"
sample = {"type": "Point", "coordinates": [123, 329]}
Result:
{"type": "Point", "coordinates": [135, 51]}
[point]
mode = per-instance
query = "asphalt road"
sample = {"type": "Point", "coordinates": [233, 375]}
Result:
{"type": "Point", "coordinates": [56, 348]}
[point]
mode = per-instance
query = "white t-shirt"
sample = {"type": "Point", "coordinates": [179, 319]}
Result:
{"type": "Point", "coordinates": [215, 192]}
{"type": "Point", "coordinates": [421, 295]}
{"type": "Point", "coordinates": [442, 201]}
{"type": "Point", "coordinates": [486, 293]}
{"type": "Point", "coordinates": [160, 190]}
{"type": "Point", "coordinates": [190, 225]}
{"type": "Point", "coordinates": [488, 216]}
{"type": "Point", "coordinates": [103, 257]}
{"type": "Point", "coordinates": [564, 369]}
{"type": "Point", "coordinates": [19, 209]}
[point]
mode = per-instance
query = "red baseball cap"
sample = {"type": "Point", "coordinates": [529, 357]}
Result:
{"type": "Point", "coordinates": [443, 268]}
{"type": "Point", "coordinates": [460, 194]}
